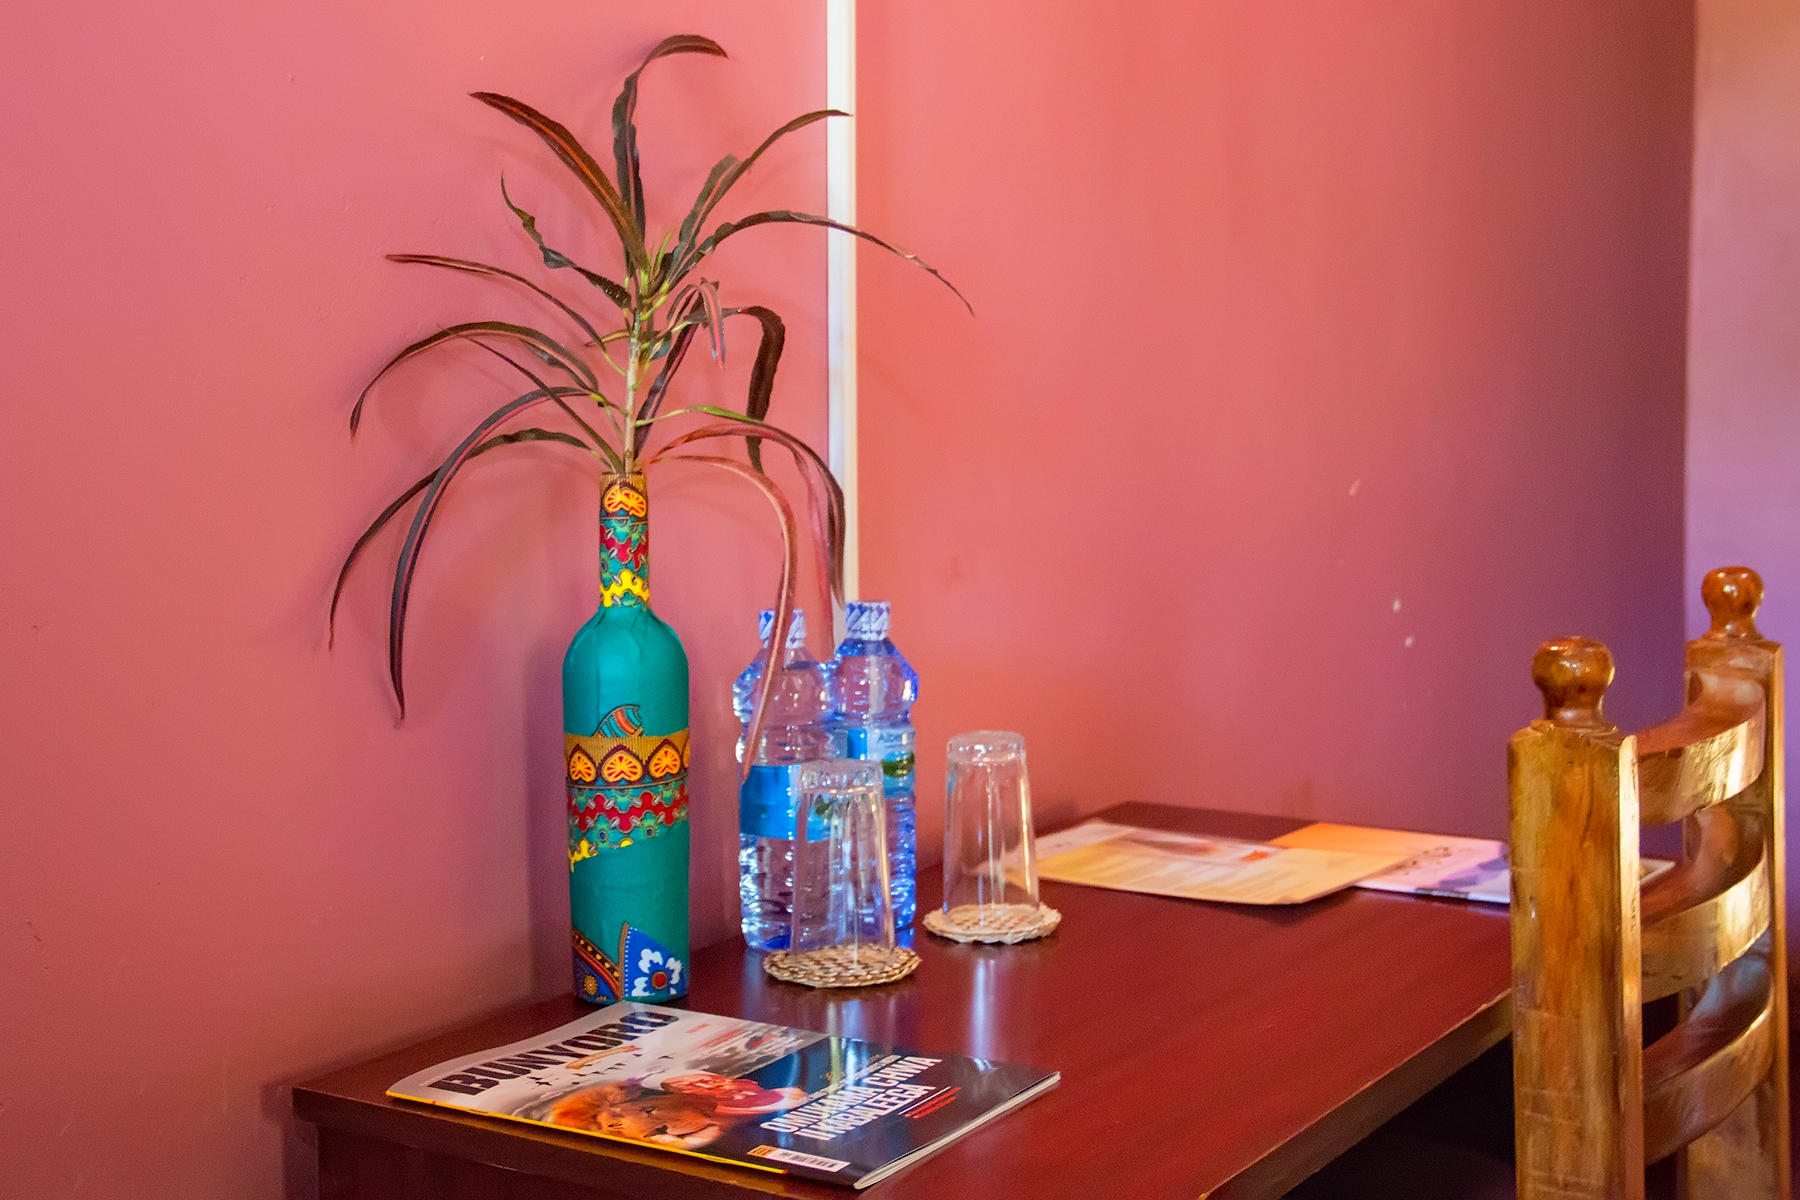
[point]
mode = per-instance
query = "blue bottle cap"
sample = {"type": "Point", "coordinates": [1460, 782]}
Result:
{"type": "Point", "coordinates": [765, 622]}
{"type": "Point", "coordinates": [866, 620]}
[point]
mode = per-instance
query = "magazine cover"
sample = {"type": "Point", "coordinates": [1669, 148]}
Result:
{"type": "Point", "coordinates": [763, 1096]}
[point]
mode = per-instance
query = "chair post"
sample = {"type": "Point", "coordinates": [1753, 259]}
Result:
{"type": "Point", "coordinates": [1576, 949]}
{"type": "Point", "coordinates": [1747, 1157]}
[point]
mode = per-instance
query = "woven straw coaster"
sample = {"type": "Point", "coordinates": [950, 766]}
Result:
{"type": "Point", "coordinates": [1008, 923]}
{"type": "Point", "coordinates": [838, 967]}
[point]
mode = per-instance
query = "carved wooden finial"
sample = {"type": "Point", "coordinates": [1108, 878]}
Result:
{"type": "Point", "coordinates": [1732, 595]}
{"type": "Point", "coordinates": [1573, 673]}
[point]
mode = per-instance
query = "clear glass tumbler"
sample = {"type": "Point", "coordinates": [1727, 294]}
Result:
{"type": "Point", "coordinates": [990, 851]}
{"type": "Point", "coordinates": [843, 908]}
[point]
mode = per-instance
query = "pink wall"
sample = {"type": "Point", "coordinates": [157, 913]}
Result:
{"type": "Point", "coordinates": [222, 867]}
{"type": "Point", "coordinates": [1743, 437]}
{"type": "Point", "coordinates": [1328, 358]}
{"type": "Point", "coordinates": [1285, 314]}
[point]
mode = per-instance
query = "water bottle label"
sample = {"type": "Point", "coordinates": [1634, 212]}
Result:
{"type": "Point", "coordinates": [769, 804]}
{"type": "Point", "coordinates": [892, 748]}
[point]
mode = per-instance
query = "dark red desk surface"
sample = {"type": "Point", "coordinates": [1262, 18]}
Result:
{"type": "Point", "coordinates": [1205, 1050]}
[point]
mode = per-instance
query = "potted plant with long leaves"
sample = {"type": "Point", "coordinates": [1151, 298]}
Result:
{"type": "Point", "coordinates": [607, 380]}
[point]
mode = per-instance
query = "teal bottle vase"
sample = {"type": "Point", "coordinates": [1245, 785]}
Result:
{"type": "Point", "coordinates": [625, 746]}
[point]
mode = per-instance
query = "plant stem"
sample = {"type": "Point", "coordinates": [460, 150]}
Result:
{"type": "Point", "coordinates": [635, 364]}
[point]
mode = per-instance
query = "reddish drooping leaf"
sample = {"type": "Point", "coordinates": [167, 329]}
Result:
{"type": "Point", "coordinates": [784, 598]}
{"type": "Point", "coordinates": [478, 268]}
{"type": "Point", "coordinates": [408, 564]}
{"type": "Point", "coordinates": [596, 441]}
{"type": "Point", "coordinates": [624, 114]}
{"type": "Point", "coordinates": [556, 260]}
{"type": "Point", "coordinates": [762, 375]}
{"type": "Point", "coordinates": [725, 175]}
{"type": "Point", "coordinates": [392, 510]}
{"type": "Point", "coordinates": [540, 343]}
{"type": "Point", "coordinates": [827, 515]}
{"type": "Point", "coordinates": [575, 157]}
{"type": "Point", "coordinates": [708, 292]}
{"type": "Point", "coordinates": [785, 217]}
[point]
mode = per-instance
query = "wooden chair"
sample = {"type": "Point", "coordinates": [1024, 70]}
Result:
{"type": "Point", "coordinates": [1593, 1105]}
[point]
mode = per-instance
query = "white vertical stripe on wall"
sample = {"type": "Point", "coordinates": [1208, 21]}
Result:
{"type": "Point", "coordinates": [840, 194]}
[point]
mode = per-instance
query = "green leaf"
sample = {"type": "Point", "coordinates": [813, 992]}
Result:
{"type": "Point", "coordinates": [784, 217]}
{"type": "Point", "coordinates": [575, 157]}
{"type": "Point", "coordinates": [725, 174]}
{"type": "Point", "coordinates": [624, 113]}
{"type": "Point", "coordinates": [541, 343]}
{"type": "Point", "coordinates": [476, 268]}
{"type": "Point", "coordinates": [557, 260]}
{"type": "Point", "coordinates": [400, 502]}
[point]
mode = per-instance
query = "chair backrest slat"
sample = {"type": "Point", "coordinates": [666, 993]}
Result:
{"type": "Point", "coordinates": [1698, 1075]}
{"type": "Point", "coordinates": [1700, 915]}
{"type": "Point", "coordinates": [1709, 753]}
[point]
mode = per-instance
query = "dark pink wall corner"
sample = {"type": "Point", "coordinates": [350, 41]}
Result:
{"type": "Point", "coordinates": [1325, 361]}
{"type": "Point", "coordinates": [1743, 435]}
{"type": "Point", "coordinates": [222, 866]}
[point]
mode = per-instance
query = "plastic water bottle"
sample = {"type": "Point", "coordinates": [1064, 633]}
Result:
{"type": "Point", "coordinates": [796, 729]}
{"type": "Point", "coordinates": [875, 689]}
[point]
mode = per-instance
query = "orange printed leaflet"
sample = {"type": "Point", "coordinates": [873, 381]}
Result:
{"type": "Point", "coordinates": [1100, 854]}
{"type": "Point", "coordinates": [1436, 864]}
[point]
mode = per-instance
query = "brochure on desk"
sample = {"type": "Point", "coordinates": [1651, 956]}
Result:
{"type": "Point", "coordinates": [1163, 863]}
{"type": "Point", "coordinates": [1296, 867]}
{"type": "Point", "coordinates": [1456, 868]}
{"type": "Point", "coordinates": [768, 1097]}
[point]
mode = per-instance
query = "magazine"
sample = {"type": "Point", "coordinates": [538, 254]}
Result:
{"type": "Point", "coordinates": [766, 1097]}
{"type": "Point", "coordinates": [1101, 854]}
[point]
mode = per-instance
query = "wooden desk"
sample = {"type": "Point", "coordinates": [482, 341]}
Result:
{"type": "Point", "coordinates": [1205, 1050]}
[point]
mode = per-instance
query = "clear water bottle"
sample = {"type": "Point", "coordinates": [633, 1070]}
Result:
{"type": "Point", "coordinates": [875, 689]}
{"type": "Point", "coordinates": [796, 729]}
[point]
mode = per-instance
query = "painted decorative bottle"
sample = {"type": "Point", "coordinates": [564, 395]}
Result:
{"type": "Point", "coordinates": [625, 746]}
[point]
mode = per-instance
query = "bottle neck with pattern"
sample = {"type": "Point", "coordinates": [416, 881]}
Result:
{"type": "Point", "coordinates": [624, 542]}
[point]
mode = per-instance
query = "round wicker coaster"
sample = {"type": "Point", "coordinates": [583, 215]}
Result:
{"type": "Point", "coordinates": [840, 967]}
{"type": "Point", "coordinates": [1008, 923]}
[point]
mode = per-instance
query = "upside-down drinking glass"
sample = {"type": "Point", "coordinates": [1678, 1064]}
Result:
{"type": "Point", "coordinates": [842, 903]}
{"type": "Point", "coordinates": [990, 852]}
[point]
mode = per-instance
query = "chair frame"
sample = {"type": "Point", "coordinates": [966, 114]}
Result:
{"type": "Point", "coordinates": [1593, 1105]}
